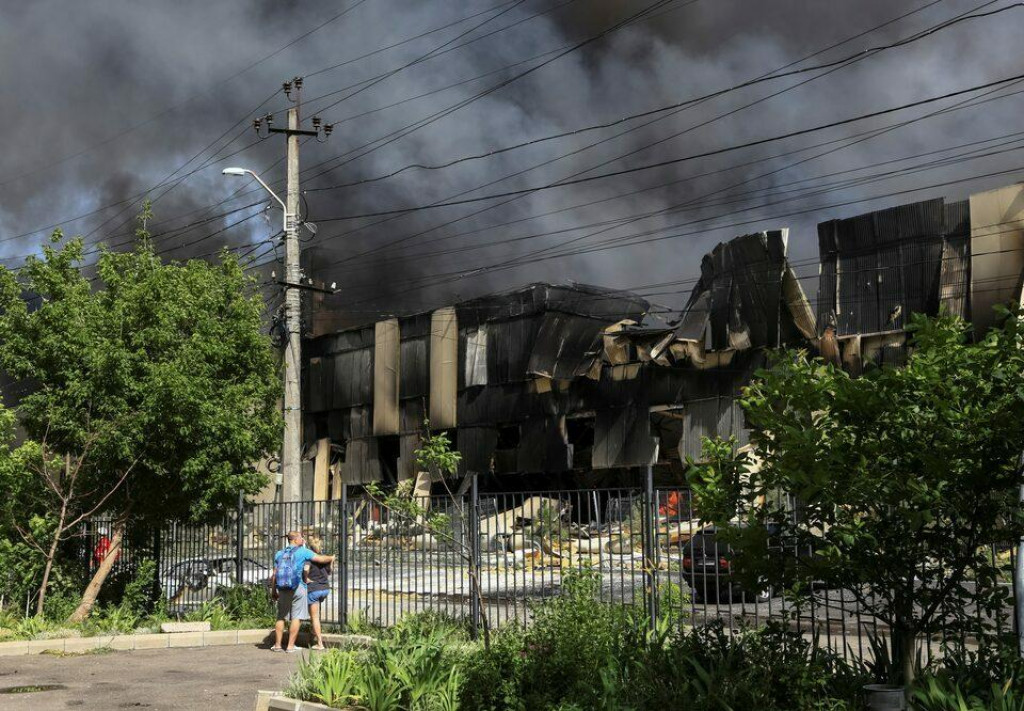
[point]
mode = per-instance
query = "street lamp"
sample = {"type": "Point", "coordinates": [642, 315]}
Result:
{"type": "Point", "coordinates": [242, 172]}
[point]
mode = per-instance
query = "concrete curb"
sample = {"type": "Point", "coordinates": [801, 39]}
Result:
{"type": "Point", "coordinates": [273, 701]}
{"type": "Point", "coordinates": [130, 642]}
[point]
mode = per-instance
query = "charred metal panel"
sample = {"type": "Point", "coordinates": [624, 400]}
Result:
{"type": "Point", "coordinates": [737, 301]}
{"type": "Point", "coordinates": [711, 417]}
{"type": "Point", "coordinates": [475, 358]}
{"type": "Point", "coordinates": [407, 465]}
{"type": "Point", "coordinates": [477, 445]}
{"type": "Point", "coordinates": [589, 301]}
{"type": "Point", "coordinates": [319, 384]}
{"type": "Point", "coordinates": [955, 273]}
{"type": "Point", "coordinates": [386, 368]}
{"type": "Point", "coordinates": [353, 378]}
{"type": "Point", "coordinates": [622, 438]}
{"type": "Point", "coordinates": [566, 346]}
{"type": "Point", "coordinates": [413, 412]}
{"type": "Point", "coordinates": [415, 368]}
{"type": "Point", "coordinates": [444, 367]}
{"type": "Point", "coordinates": [361, 465]}
{"type": "Point", "coordinates": [543, 447]}
{"type": "Point", "coordinates": [494, 404]}
{"type": "Point", "coordinates": [880, 267]}
{"type": "Point", "coordinates": [508, 348]}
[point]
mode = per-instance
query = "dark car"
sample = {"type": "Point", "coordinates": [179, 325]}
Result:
{"type": "Point", "coordinates": [708, 568]}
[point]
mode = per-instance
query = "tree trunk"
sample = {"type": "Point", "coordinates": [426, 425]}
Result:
{"type": "Point", "coordinates": [51, 555]}
{"type": "Point", "coordinates": [46, 573]}
{"type": "Point", "coordinates": [904, 653]}
{"type": "Point", "coordinates": [92, 590]}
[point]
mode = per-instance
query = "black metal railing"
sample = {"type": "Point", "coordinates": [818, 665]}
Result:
{"type": "Point", "coordinates": [489, 558]}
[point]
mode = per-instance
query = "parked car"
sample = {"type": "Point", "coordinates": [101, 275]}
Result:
{"type": "Point", "coordinates": [196, 580]}
{"type": "Point", "coordinates": [708, 568]}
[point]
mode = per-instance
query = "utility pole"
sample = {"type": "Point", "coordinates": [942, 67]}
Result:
{"type": "Point", "coordinates": [1018, 588]}
{"type": "Point", "coordinates": [291, 448]}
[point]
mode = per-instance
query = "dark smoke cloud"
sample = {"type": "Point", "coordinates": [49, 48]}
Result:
{"type": "Point", "coordinates": [76, 74]}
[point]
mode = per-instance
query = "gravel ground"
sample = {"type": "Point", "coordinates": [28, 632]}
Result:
{"type": "Point", "coordinates": [210, 679]}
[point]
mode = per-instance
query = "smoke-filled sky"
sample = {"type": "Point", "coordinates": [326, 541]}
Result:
{"type": "Point", "coordinates": [109, 101]}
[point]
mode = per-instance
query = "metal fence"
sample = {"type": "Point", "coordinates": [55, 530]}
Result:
{"type": "Point", "coordinates": [645, 546]}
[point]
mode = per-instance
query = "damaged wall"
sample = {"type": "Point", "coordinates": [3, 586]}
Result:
{"type": "Point", "coordinates": [578, 380]}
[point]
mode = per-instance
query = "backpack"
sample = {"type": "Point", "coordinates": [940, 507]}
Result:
{"type": "Point", "coordinates": [284, 570]}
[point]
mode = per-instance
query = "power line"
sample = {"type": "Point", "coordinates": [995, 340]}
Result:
{"type": "Point", "coordinates": [174, 107]}
{"type": "Point", "coordinates": [668, 107]}
{"type": "Point", "coordinates": [675, 161]}
{"type": "Point", "coordinates": [406, 238]}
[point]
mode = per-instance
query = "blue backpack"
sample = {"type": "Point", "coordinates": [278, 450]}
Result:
{"type": "Point", "coordinates": [284, 570]}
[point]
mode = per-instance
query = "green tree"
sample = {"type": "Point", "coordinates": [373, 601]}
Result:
{"type": "Point", "coordinates": [901, 480]}
{"type": "Point", "coordinates": [151, 392]}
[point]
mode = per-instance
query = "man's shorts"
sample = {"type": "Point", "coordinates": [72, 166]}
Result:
{"type": "Point", "coordinates": [318, 596]}
{"type": "Point", "coordinates": [292, 604]}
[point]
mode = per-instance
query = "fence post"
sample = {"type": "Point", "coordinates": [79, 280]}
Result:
{"type": "Point", "coordinates": [474, 548]}
{"type": "Point", "coordinates": [343, 561]}
{"type": "Point", "coordinates": [650, 546]}
{"type": "Point", "coordinates": [239, 542]}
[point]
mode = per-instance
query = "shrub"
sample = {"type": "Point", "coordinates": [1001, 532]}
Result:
{"type": "Point", "coordinates": [248, 603]}
{"type": "Point", "coordinates": [395, 674]}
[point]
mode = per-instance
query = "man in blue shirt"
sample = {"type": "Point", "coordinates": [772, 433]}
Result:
{"type": "Point", "coordinates": [289, 589]}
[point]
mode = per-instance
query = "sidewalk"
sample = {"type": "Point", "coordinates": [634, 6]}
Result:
{"type": "Point", "coordinates": [200, 679]}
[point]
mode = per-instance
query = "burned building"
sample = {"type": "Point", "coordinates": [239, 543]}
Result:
{"type": "Point", "coordinates": [552, 386]}
{"type": "Point", "coordinates": [877, 269]}
{"type": "Point", "coordinates": [565, 386]}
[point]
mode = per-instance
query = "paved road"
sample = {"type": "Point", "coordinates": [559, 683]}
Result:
{"type": "Point", "coordinates": [209, 679]}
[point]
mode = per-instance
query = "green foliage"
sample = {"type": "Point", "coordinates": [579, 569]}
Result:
{"type": "Point", "coordinates": [435, 454]}
{"type": "Point", "coordinates": [248, 602]}
{"type": "Point", "coordinates": [903, 478]}
{"type": "Point", "coordinates": [158, 379]}
{"type": "Point", "coordinates": [401, 673]}
{"type": "Point", "coordinates": [940, 694]}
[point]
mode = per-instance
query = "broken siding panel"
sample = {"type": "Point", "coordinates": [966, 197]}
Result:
{"type": "Point", "coordinates": [361, 465]}
{"type": "Point", "coordinates": [711, 417]}
{"type": "Point", "coordinates": [415, 368]}
{"type": "Point", "coordinates": [444, 372]}
{"type": "Point", "coordinates": [997, 252]}
{"type": "Point", "coordinates": [565, 346]}
{"type": "Point", "coordinates": [543, 447]}
{"type": "Point", "coordinates": [622, 438]}
{"type": "Point", "coordinates": [955, 274]}
{"type": "Point", "coordinates": [386, 369]}
{"type": "Point", "coordinates": [796, 302]}
{"type": "Point", "coordinates": [407, 465]}
{"type": "Point", "coordinates": [475, 358]}
{"type": "Point", "coordinates": [353, 378]}
{"type": "Point", "coordinates": [477, 446]}
{"type": "Point", "coordinates": [320, 384]}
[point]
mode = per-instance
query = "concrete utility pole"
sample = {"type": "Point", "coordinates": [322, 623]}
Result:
{"type": "Point", "coordinates": [1018, 588]}
{"type": "Point", "coordinates": [291, 450]}
{"type": "Point", "coordinates": [291, 446]}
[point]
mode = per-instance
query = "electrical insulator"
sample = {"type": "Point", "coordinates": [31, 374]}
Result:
{"type": "Point", "coordinates": [317, 121]}
{"type": "Point", "coordinates": [287, 86]}
{"type": "Point", "coordinates": [298, 83]}
{"type": "Point", "coordinates": [328, 128]}
{"type": "Point", "coordinates": [269, 118]}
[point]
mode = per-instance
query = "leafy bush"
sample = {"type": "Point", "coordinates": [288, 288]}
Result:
{"type": "Point", "coordinates": [397, 674]}
{"type": "Point", "coordinates": [248, 603]}
{"type": "Point", "coordinates": [586, 654]}
{"type": "Point", "coordinates": [941, 694]}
